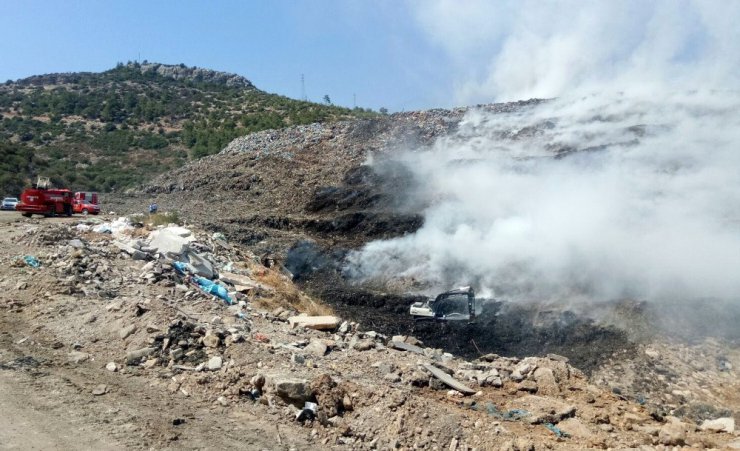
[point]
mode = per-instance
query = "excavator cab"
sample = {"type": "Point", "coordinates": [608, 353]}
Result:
{"type": "Point", "coordinates": [454, 305]}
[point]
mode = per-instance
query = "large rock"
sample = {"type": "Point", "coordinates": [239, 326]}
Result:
{"type": "Point", "coordinates": [719, 425]}
{"type": "Point", "coordinates": [672, 433]}
{"type": "Point", "coordinates": [365, 344]}
{"type": "Point", "coordinates": [317, 348]}
{"type": "Point", "coordinates": [546, 382]}
{"type": "Point", "coordinates": [296, 390]}
{"type": "Point", "coordinates": [166, 241]}
{"type": "Point", "coordinates": [211, 340]}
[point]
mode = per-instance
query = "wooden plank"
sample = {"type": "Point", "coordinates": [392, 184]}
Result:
{"type": "Point", "coordinates": [448, 380]}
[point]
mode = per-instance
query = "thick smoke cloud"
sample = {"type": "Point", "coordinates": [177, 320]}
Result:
{"type": "Point", "coordinates": [643, 199]}
{"type": "Point", "coordinates": [519, 49]}
{"type": "Point", "coordinates": [642, 202]}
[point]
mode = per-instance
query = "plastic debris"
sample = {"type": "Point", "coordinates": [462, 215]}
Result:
{"type": "Point", "coordinates": [115, 227]}
{"type": "Point", "coordinates": [198, 266]}
{"type": "Point", "coordinates": [308, 412]}
{"type": "Point", "coordinates": [556, 430]}
{"type": "Point", "coordinates": [31, 261]}
{"type": "Point", "coordinates": [511, 415]}
{"type": "Point", "coordinates": [180, 267]}
{"type": "Point", "coordinates": [213, 288]}
{"type": "Point", "coordinates": [102, 228]}
{"type": "Point", "coordinates": [515, 414]}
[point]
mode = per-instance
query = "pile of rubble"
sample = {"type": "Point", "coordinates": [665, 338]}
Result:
{"type": "Point", "coordinates": [256, 344]}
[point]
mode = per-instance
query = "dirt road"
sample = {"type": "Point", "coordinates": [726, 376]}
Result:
{"type": "Point", "coordinates": [30, 421]}
{"type": "Point", "coordinates": [47, 401]}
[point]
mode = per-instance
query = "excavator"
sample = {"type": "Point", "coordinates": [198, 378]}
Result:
{"type": "Point", "coordinates": [459, 304]}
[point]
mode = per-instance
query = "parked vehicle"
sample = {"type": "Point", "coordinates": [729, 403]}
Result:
{"type": "Point", "coordinates": [9, 203]}
{"type": "Point", "coordinates": [455, 305]}
{"type": "Point", "coordinates": [47, 202]}
{"type": "Point", "coordinates": [43, 200]}
{"type": "Point", "coordinates": [85, 203]}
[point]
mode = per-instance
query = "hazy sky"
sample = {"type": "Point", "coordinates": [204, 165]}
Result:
{"type": "Point", "coordinates": [403, 55]}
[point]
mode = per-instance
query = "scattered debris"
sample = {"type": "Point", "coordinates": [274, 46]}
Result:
{"type": "Point", "coordinates": [32, 261]}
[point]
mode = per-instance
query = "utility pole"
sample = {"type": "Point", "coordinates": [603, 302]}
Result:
{"type": "Point", "coordinates": [354, 100]}
{"type": "Point", "coordinates": [303, 88]}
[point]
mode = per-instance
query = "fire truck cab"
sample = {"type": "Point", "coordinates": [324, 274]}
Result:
{"type": "Point", "coordinates": [85, 203]}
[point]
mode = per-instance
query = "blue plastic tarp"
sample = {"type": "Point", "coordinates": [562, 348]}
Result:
{"type": "Point", "coordinates": [213, 288]}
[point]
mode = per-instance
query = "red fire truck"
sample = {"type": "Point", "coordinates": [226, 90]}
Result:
{"type": "Point", "coordinates": [41, 199]}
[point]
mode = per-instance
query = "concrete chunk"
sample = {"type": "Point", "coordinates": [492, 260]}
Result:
{"type": "Point", "coordinates": [215, 363]}
{"type": "Point", "coordinates": [179, 231]}
{"type": "Point", "coordinates": [133, 252]}
{"type": "Point", "coordinates": [126, 331]}
{"type": "Point", "coordinates": [165, 241]}
{"type": "Point", "coordinates": [315, 322]}
{"type": "Point", "coordinates": [133, 357]}
{"type": "Point", "coordinates": [242, 282]}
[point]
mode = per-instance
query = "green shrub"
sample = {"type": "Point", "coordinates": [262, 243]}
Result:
{"type": "Point", "coordinates": [168, 217]}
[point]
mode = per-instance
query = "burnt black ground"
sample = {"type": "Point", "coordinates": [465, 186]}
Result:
{"type": "Point", "coordinates": [514, 330]}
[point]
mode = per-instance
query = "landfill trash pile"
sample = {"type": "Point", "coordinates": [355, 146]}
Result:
{"type": "Point", "coordinates": [173, 337]}
{"type": "Point", "coordinates": [315, 181]}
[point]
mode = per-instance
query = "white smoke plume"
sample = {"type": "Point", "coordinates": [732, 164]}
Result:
{"type": "Point", "coordinates": [644, 202]}
{"type": "Point", "coordinates": [645, 199]}
{"type": "Point", "coordinates": [518, 49]}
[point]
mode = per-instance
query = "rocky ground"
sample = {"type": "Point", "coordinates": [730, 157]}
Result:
{"type": "Point", "coordinates": [106, 345]}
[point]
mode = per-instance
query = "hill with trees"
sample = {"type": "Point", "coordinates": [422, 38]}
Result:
{"type": "Point", "coordinates": [113, 130]}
